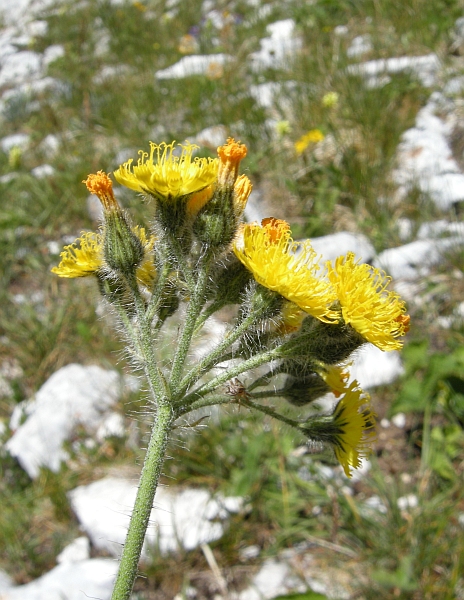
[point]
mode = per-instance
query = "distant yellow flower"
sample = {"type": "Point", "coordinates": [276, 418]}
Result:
{"type": "Point", "coordinates": [373, 311]}
{"type": "Point", "coordinates": [311, 137]}
{"type": "Point", "coordinates": [215, 70]}
{"type": "Point", "coordinates": [283, 128]}
{"type": "Point", "coordinates": [353, 428]}
{"type": "Point", "coordinates": [330, 99]}
{"type": "Point", "coordinates": [166, 176]}
{"type": "Point", "coordinates": [288, 268]}
{"type": "Point", "coordinates": [84, 257]}
{"type": "Point", "coordinates": [188, 44]}
{"type": "Point", "coordinates": [139, 6]}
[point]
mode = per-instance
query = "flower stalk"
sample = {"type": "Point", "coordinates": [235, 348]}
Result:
{"type": "Point", "coordinates": [298, 320]}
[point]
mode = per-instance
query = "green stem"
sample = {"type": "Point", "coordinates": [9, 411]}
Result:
{"type": "Point", "coordinates": [144, 502]}
{"type": "Point", "coordinates": [157, 294]}
{"type": "Point", "coordinates": [203, 402]}
{"type": "Point", "coordinates": [155, 378]}
{"type": "Point", "coordinates": [269, 411]}
{"type": "Point", "coordinates": [213, 357]}
{"type": "Point", "coordinates": [246, 365]}
{"type": "Point", "coordinates": [178, 252]}
{"type": "Point", "coordinates": [194, 307]}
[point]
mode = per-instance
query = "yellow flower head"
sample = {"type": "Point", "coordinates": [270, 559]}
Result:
{"type": "Point", "coordinates": [288, 268]}
{"type": "Point", "coordinates": [242, 191]}
{"type": "Point", "coordinates": [230, 156]}
{"type": "Point", "coordinates": [353, 431]}
{"type": "Point", "coordinates": [336, 378]}
{"type": "Point", "coordinates": [373, 311]}
{"type": "Point", "coordinates": [101, 185]}
{"type": "Point", "coordinates": [84, 257]}
{"type": "Point", "coordinates": [166, 176]}
{"type": "Point", "coordinates": [311, 137]}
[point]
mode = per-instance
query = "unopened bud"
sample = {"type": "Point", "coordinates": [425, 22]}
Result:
{"type": "Point", "coordinates": [301, 391]}
{"type": "Point", "coordinates": [123, 250]}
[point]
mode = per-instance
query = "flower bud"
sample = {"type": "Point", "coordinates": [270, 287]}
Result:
{"type": "Point", "coordinates": [122, 249]}
{"type": "Point", "coordinates": [301, 391]}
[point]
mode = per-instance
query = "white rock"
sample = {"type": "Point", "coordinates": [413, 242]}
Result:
{"type": "Point", "coordinates": [454, 86]}
{"type": "Point", "coordinates": [445, 189]}
{"type": "Point", "coordinates": [249, 553]}
{"type": "Point", "coordinates": [6, 583]}
{"type": "Point", "coordinates": [73, 396]}
{"type": "Point", "coordinates": [54, 247]}
{"type": "Point", "coordinates": [20, 66]}
{"type": "Point", "coordinates": [91, 578]}
{"type": "Point", "coordinates": [281, 43]}
{"type": "Point", "coordinates": [264, 93]}
{"type": "Point", "coordinates": [360, 45]}
{"type": "Point", "coordinates": [422, 154]}
{"type": "Point", "coordinates": [341, 30]}
{"type": "Point", "coordinates": [182, 517]}
{"type": "Point", "coordinates": [195, 64]}
{"type": "Point", "coordinates": [211, 137]}
{"type": "Point", "coordinates": [112, 425]}
{"type": "Point", "coordinates": [373, 367]}
{"type": "Point", "coordinates": [43, 171]}
{"type": "Point", "coordinates": [425, 68]}
{"type": "Point", "coordinates": [273, 579]}
{"type": "Point", "coordinates": [439, 228]}
{"type": "Point", "coordinates": [373, 504]}
{"type": "Point", "coordinates": [415, 260]}
{"type": "Point", "coordinates": [16, 140]}
{"type": "Point", "coordinates": [76, 551]}
{"type": "Point", "coordinates": [399, 420]}
{"type": "Point", "coordinates": [408, 502]}
{"type": "Point", "coordinates": [50, 144]}
{"type": "Point", "coordinates": [336, 244]}
{"type": "Point", "coordinates": [52, 53]}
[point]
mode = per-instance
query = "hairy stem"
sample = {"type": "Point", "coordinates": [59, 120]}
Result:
{"type": "Point", "coordinates": [149, 478]}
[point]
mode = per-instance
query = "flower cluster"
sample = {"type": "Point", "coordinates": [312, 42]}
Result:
{"type": "Point", "coordinates": [349, 292]}
{"type": "Point", "coordinates": [303, 319]}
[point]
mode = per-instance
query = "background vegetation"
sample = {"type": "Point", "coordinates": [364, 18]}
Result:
{"type": "Point", "coordinates": [104, 105]}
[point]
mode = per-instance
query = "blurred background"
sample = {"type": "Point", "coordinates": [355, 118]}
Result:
{"type": "Point", "coordinates": [352, 112]}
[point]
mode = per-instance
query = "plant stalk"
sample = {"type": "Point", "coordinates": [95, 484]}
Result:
{"type": "Point", "coordinates": [149, 478]}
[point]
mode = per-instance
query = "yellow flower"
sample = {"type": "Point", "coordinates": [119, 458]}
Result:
{"type": "Point", "coordinates": [288, 268]}
{"type": "Point", "coordinates": [83, 260]}
{"type": "Point", "coordinates": [188, 44]}
{"type": "Point", "coordinates": [311, 137]}
{"type": "Point", "coordinates": [230, 155]}
{"type": "Point", "coordinates": [166, 176]}
{"type": "Point", "coordinates": [330, 99]}
{"type": "Point", "coordinates": [101, 185]}
{"type": "Point", "coordinates": [242, 190]}
{"type": "Point", "coordinates": [84, 257]}
{"type": "Point", "coordinates": [336, 378]}
{"type": "Point", "coordinates": [373, 311]}
{"type": "Point", "coordinates": [353, 432]}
